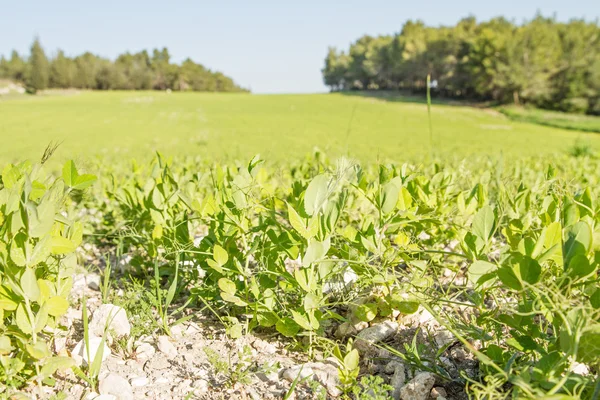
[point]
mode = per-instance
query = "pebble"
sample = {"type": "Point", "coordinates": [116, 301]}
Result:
{"type": "Point", "coordinates": [93, 281]}
{"type": "Point", "coordinates": [264, 347]}
{"type": "Point", "coordinates": [292, 373]}
{"type": "Point", "coordinates": [119, 324]}
{"type": "Point", "coordinates": [117, 386]}
{"type": "Point", "coordinates": [80, 352]}
{"type": "Point", "coordinates": [419, 387]}
{"type": "Point", "coordinates": [200, 387]}
{"type": "Point", "coordinates": [139, 381]}
{"type": "Point", "coordinates": [350, 328]}
{"type": "Point", "coordinates": [375, 334]}
{"type": "Point", "coordinates": [166, 347]}
{"type": "Point", "coordinates": [398, 379]}
{"type": "Point", "coordinates": [438, 392]}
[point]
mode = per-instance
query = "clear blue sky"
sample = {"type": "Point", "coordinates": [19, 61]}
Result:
{"type": "Point", "coordinates": [269, 46]}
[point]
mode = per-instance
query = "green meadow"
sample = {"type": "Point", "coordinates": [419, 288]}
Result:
{"type": "Point", "coordinates": [226, 126]}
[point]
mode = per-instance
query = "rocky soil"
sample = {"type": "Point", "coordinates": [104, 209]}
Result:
{"type": "Point", "coordinates": [199, 361]}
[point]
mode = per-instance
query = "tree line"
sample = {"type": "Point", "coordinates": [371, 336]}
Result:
{"type": "Point", "coordinates": [542, 62]}
{"type": "Point", "coordinates": [129, 71]}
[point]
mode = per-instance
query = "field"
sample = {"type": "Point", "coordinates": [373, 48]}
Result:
{"type": "Point", "coordinates": [228, 126]}
{"type": "Point", "coordinates": [556, 119]}
{"type": "Point", "coordinates": [383, 266]}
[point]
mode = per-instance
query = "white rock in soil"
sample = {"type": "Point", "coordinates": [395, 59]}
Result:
{"type": "Point", "coordinates": [264, 347]}
{"type": "Point", "coordinates": [81, 354]}
{"type": "Point", "coordinates": [438, 393]}
{"type": "Point", "coordinates": [90, 396]}
{"type": "Point", "coordinates": [119, 324]}
{"type": "Point", "coordinates": [375, 334]}
{"type": "Point", "coordinates": [200, 387]}
{"type": "Point", "coordinates": [350, 328]}
{"type": "Point", "coordinates": [106, 397]}
{"type": "Point", "coordinates": [144, 351]}
{"type": "Point", "coordinates": [580, 368]}
{"type": "Point", "coordinates": [166, 347]}
{"type": "Point", "coordinates": [93, 281]}
{"type": "Point", "coordinates": [113, 384]}
{"type": "Point", "coordinates": [398, 379]}
{"type": "Point", "coordinates": [327, 375]}
{"type": "Point", "coordinates": [139, 381]}
{"type": "Point", "coordinates": [192, 329]}
{"type": "Point", "coordinates": [177, 331]}
{"type": "Point", "coordinates": [443, 337]}
{"type": "Point", "coordinates": [390, 367]}
{"type": "Point", "coordinates": [271, 377]}
{"type": "Point", "coordinates": [292, 373]}
{"type": "Point", "coordinates": [419, 387]}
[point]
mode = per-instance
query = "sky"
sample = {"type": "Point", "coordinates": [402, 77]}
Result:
{"type": "Point", "coordinates": [267, 46]}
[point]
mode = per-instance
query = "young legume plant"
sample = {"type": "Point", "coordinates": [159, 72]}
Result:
{"type": "Point", "coordinates": [289, 248]}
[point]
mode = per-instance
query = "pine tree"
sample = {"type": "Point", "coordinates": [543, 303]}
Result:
{"type": "Point", "coordinates": [39, 68]}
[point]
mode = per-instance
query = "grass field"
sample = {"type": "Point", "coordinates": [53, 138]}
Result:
{"type": "Point", "coordinates": [556, 119]}
{"type": "Point", "coordinates": [126, 124]}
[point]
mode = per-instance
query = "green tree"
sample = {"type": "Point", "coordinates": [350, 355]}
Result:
{"type": "Point", "coordinates": [38, 68]}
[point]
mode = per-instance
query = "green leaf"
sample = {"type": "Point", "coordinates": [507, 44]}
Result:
{"type": "Point", "coordinates": [84, 181]}
{"type": "Point", "coordinates": [29, 285]}
{"type": "Point", "coordinates": [287, 327]}
{"type": "Point", "coordinates": [298, 223]}
{"type": "Point", "coordinates": [220, 255]}
{"type": "Point", "coordinates": [54, 364]}
{"type": "Point", "coordinates": [478, 269]}
{"type": "Point", "coordinates": [316, 194]}
{"type": "Point", "coordinates": [5, 346]}
{"type": "Point", "coordinates": [578, 240]}
{"type": "Point", "coordinates": [39, 350]}
{"type": "Point", "coordinates": [235, 331]}
{"type": "Point", "coordinates": [311, 302]}
{"type": "Point", "coordinates": [302, 320]}
{"type": "Point", "coordinates": [40, 252]}
{"type": "Point", "coordinates": [227, 286]}
{"type": "Point", "coordinates": [530, 270]}
{"type": "Point", "coordinates": [230, 298]}
{"type": "Point", "coordinates": [595, 299]}
{"type": "Point", "coordinates": [483, 223]}
{"type": "Point", "coordinates": [62, 245]}
{"type": "Point", "coordinates": [580, 266]}
{"type": "Point", "coordinates": [351, 360]}
{"type": "Point", "coordinates": [366, 312]}
{"type": "Point", "coordinates": [22, 320]}
{"type": "Point", "coordinates": [509, 278]}
{"type": "Point", "coordinates": [589, 345]}
{"type": "Point", "coordinates": [390, 195]}
{"type": "Point", "coordinates": [316, 251]}
{"type": "Point", "coordinates": [69, 173]}
{"type": "Point", "coordinates": [57, 306]}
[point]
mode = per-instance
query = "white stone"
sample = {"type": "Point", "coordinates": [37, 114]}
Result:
{"type": "Point", "coordinates": [93, 281]}
{"type": "Point", "coordinates": [106, 397]}
{"type": "Point", "coordinates": [145, 351]}
{"type": "Point", "coordinates": [375, 334]}
{"type": "Point", "coordinates": [80, 350]}
{"type": "Point", "coordinates": [116, 385]}
{"type": "Point", "coordinates": [419, 387]}
{"type": "Point", "coordinates": [139, 381]}
{"type": "Point", "coordinates": [350, 328]}
{"type": "Point", "coordinates": [292, 373]}
{"type": "Point", "coordinates": [200, 386]}
{"type": "Point", "coordinates": [438, 393]}
{"type": "Point", "coordinates": [166, 347]}
{"type": "Point", "coordinates": [579, 368]}
{"type": "Point", "coordinates": [443, 337]}
{"type": "Point", "coordinates": [117, 316]}
{"type": "Point", "coordinates": [398, 379]}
